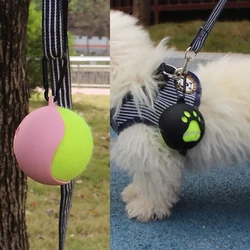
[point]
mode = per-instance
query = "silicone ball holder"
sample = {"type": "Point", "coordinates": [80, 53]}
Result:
{"type": "Point", "coordinates": [35, 152]}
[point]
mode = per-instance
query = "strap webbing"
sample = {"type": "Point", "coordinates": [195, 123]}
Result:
{"type": "Point", "coordinates": [65, 205]}
{"type": "Point", "coordinates": [56, 53]}
{"type": "Point", "coordinates": [201, 36]}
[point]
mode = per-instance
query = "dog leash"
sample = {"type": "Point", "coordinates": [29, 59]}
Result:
{"type": "Point", "coordinates": [202, 35]}
{"type": "Point", "coordinates": [56, 54]}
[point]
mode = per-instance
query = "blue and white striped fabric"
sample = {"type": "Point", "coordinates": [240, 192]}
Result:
{"type": "Point", "coordinates": [56, 52]}
{"type": "Point", "coordinates": [204, 31]}
{"type": "Point", "coordinates": [167, 96]}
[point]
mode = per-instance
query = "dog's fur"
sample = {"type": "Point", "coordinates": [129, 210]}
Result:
{"type": "Point", "coordinates": [157, 169]}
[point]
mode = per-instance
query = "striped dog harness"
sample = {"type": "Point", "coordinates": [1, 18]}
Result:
{"type": "Point", "coordinates": [166, 96]}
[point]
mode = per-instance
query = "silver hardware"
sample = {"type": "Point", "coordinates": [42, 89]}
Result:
{"type": "Point", "coordinates": [181, 71]}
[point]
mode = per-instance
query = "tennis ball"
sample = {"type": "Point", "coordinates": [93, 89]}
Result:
{"type": "Point", "coordinates": [53, 145]}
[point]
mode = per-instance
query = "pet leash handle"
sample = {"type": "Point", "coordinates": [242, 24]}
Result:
{"type": "Point", "coordinates": [181, 71]}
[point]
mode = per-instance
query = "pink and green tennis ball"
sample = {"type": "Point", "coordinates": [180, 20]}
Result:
{"type": "Point", "coordinates": [53, 145]}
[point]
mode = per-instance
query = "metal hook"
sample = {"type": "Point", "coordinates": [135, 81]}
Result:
{"type": "Point", "coordinates": [189, 57]}
{"type": "Point", "coordinates": [180, 71]}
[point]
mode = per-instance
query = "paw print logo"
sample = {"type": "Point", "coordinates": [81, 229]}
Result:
{"type": "Point", "coordinates": [182, 126]}
{"type": "Point", "coordinates": [193, 120]}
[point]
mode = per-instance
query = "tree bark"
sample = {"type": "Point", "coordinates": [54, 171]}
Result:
{"type": "Point", "coordinates": [141, 10]}
{"type": "Point", "coordinates": [14, 96]}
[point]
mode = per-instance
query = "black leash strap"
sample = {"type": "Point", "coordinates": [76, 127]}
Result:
{"type": "Point", "coordinates": [56, 54]}
{"type": "Point", "coordinates": [201, 36]}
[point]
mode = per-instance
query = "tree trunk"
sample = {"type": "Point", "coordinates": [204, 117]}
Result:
{"type": "Point", "coordinates": [14, 96]}
{"type": "Point", "coordinates": [141, 10]}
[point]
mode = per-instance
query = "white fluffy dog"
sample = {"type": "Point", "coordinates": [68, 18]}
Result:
{"type": "Point", "coordinates": [139, 149]}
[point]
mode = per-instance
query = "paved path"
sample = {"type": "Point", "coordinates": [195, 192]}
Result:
{"type": "Point", "coordinates": [213, 213]}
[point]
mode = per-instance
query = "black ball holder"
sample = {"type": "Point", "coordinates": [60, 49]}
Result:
{"type": "Point", "coordinates": [182, 126]}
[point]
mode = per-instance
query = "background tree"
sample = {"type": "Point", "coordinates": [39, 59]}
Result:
{"type": "Point", "coordinates": [14, 96]}
{"type": "Point", "coordinates": [89, 17]}
{"type": "Point", "coordinates": [141, 10]}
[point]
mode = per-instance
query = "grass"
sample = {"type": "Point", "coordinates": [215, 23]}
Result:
{"type": "Point", "coordinates": [88, 225]}
{"type": "Point", "coordinates": [224, 37]}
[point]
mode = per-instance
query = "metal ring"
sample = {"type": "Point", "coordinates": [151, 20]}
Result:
{"type": "Point", "coordinates": [189, 57]}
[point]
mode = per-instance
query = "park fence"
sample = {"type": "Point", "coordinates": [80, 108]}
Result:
{"type": "Point", "coordinates": [90, 71]}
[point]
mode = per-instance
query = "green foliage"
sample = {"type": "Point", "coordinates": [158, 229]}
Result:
{"type": "Point", "coordinates": [39, 4]}
{"type": "Point", "coordinates": [34, 31]}
{"type": "Point", "coordinates": [34, 46]}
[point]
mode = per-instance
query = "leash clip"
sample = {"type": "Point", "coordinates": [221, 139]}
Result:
{"type": "Point", "coordinates": [190, 58]}
{"type": "Point", "coordinates": [178, 74]}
